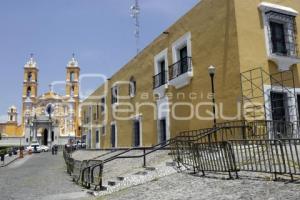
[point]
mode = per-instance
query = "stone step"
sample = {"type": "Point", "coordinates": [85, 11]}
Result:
{"type": "Point", "coordinates": [170, 164]}
{"type": "Point", "coordinates": [150, 168]}
{"type": "Point", "coordinates": [120, 178]}
{"type": "Point", "coordinates": [144, 173]}
{"type": "Point", "coordinates": [111, 183]}
{"type": "Point", "coordinates": [103, 188]}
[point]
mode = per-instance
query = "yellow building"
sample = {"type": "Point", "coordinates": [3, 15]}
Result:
{"type": "Point", "coordinates": [49, 118]}
{"type": "Point", "coordinates": [166, 88]}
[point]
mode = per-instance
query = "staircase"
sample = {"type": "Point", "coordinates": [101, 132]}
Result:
{"type": "Point", "coordinates": [230, 147]}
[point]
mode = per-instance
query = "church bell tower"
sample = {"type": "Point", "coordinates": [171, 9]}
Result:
{"type": "Point", "coordinates": [30, 84]}
{"type": "Point", "coordinates": [72, 92]}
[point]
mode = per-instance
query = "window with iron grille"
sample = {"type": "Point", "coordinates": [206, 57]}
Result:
{"type": "Point", "coordinates": [97, 137]}
{"type": "Point", "coordinates": [132, 87]}
{"type": "Point", "coordinates": [114, 95]}
{"type": "Point", "coordinates": [160, 78]}
{"type": "Point", "coordinates": [103, 130]}
{"type": "Point", "coordinates": [102, 105]}
{"type": "Point", "coordinates": [282, 34]}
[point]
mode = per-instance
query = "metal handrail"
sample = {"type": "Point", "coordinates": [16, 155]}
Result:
{"type": "Point", "coordinates": [223, 132]}
{"type": "Point", "coordinates": [182, 66]}
{"type": "Point", "coordinates": [160, 79]}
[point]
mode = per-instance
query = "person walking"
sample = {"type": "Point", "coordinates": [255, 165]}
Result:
{"type": "Point", "coordinates": [53, 149]}
{"type": "Point", "coordinates": [56, 149]}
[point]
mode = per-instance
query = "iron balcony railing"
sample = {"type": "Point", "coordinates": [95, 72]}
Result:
{"type": "Point", "coordinates": [159, 79]}
{"type": "Point", "coordinates": [181, 67]}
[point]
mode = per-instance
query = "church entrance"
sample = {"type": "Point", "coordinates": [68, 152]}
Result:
{"type": "Point", "coordinates": [45, 137]}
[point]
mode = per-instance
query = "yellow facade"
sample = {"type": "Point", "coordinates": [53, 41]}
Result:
{"type": "Point", "coordinates": [228, 34]}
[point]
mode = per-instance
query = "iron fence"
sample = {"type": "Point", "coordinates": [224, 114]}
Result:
{"type": "Point", "coordinates": [275, 156]}
{"type": "Point", "coordinates": [257, 146]}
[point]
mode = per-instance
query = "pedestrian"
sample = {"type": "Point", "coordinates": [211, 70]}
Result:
{"type": "Point", "coordinates": [2, 158]}
{"type": "Point", "coordinates": [56, 149]}
{"type": "Point", "coordinates": [52, 149]}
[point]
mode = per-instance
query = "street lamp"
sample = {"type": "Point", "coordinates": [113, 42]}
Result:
{"type": "Point", "coordinates": [212, 72]}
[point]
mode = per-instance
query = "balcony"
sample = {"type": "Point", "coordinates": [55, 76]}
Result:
{"type": "Point", "coordinates": [160, 83]}
{"type": "Point", "coordinates": [181, 72]}
{"type": "Point", "coordinates": [159, 79]}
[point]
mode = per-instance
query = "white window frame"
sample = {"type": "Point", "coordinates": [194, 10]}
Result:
{"type": "Point", "coordinates": [162, 56]}
{"type": "Point", "coordinates": [101, 130]}
{"type": "Point", "coordinates": [115, 88]}
{"type": "Point", "coordinates": [283, 62]}
{"type": "Point", "coordinates": [183, 79]}
{"type": "Point", "coordinates": [185, 40]}
{"type": "Point", "coordinates": [97, 146]}
{"type": "Point", "coordinates": [139, 119]}
{"type": "Point", "coordinates": [132, 87]}
{"type": "Point", "coordinates": [104, 106]}
{"type": "Point", "coordinates": [163, 113]}
{"type": "Point", "coordinates": [116, 133]}
{"type": "Point", "coordinates": [290, 102]}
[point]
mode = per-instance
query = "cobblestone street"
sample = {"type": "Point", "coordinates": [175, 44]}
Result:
{"type": "Point", "coordinates": [184, 186]}
{"type": "Point", "coordinates": [40, 176]}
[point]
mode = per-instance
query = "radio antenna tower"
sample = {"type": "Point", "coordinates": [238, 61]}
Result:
{"type": "Point", "coordinates": [135, 12]}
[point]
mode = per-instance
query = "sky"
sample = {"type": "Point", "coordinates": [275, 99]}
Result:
{"type": "Point", "coordinates": [99, 32]}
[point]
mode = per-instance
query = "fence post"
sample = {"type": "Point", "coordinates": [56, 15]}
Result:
{"type": "Point", "coordinates": [229, 157]}
{"type": "Point", "coordinates": [282, 155]}
{"type": "Point", "coordinates": [232, 159]}
{"type": "Point", "coordinates": [244, 130]}
{"type": "Point", "coordinates": [89, 178]}
{"type": "Point", "coordinates": [144, 151]}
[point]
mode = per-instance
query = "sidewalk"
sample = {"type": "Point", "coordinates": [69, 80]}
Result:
{"type": "Point", "coordinates": [9, 159]}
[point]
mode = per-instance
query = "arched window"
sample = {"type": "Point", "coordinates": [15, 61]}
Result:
{"type": "Point", "coordinates": [72, 76]}
{"type": "Point", "coordinates": [29, 76]}
{"type": "Point", "coordinates": [72, 90]}
{"type": "Point", "coordinates": [28, 94]}
{"type": "Point", "coordinates": [132, 87]}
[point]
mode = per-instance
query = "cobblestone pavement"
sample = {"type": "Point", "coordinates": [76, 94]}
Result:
{"type": "Point", "coordinates": [184, 186]}
{"type": "Point", "coordinates": [39, 176]}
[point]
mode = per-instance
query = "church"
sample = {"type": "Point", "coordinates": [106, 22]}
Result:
{"type": "Point", "coordinates": [49, 118]}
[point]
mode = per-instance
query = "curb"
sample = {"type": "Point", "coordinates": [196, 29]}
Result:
{"type": "Point", "coordinates": [9, 162]}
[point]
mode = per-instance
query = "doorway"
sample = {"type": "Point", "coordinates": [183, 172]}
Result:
{"type": "Point", "coordinates": [279, 114]}
{"type": "Point", "coordinates": [163, 131]}
{"type": "Point", "coordinates": [45, 137]}
{"type": "Point", "coordinates": [136, 132]}
{"type": "Point", "coordinates": [113, 135]}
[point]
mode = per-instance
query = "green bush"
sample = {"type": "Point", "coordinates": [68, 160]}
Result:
{"type": "Point", "coordinates": [3, 151]}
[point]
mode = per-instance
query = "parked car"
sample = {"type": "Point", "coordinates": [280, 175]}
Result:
{"type": "Point", "coordinates": [44, 148]}
{"type": "Point", "coordinates": [81, 145]}
{"type": "Point", "coordinates": [35, 148]}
